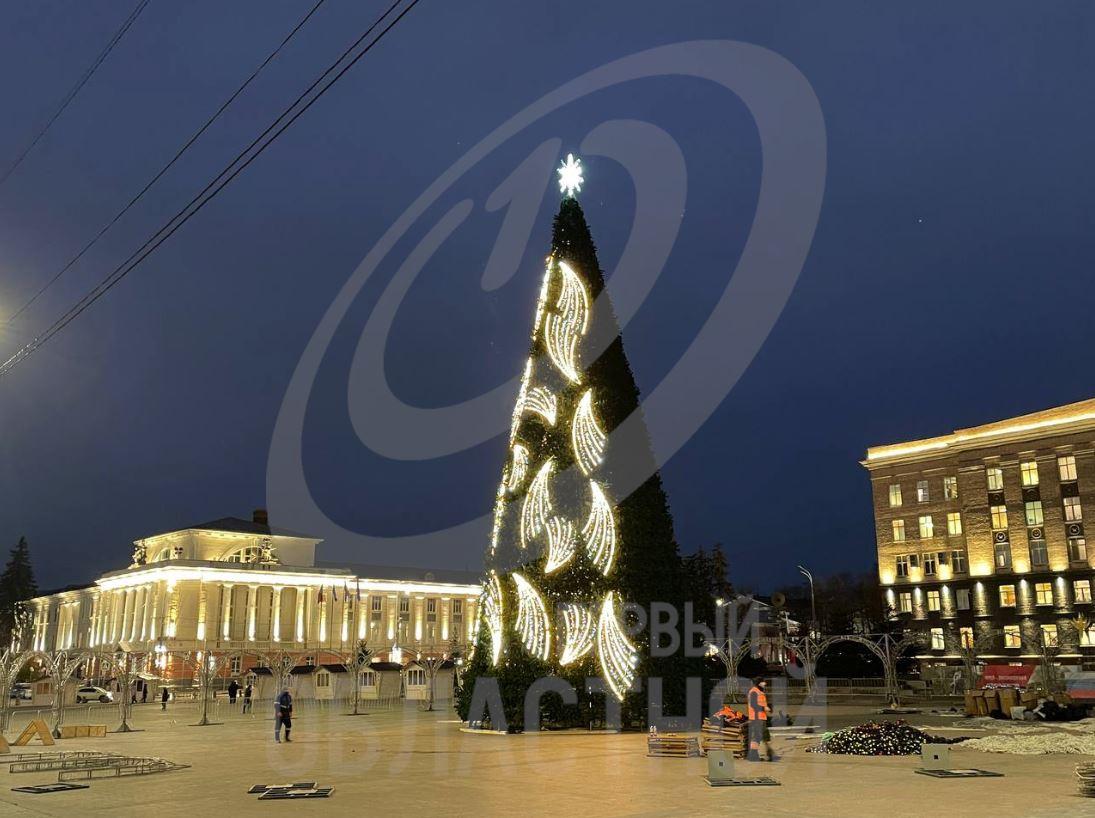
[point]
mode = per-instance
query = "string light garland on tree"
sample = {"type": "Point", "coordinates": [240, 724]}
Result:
{"type": "Point", "coordinates": [565, 551]}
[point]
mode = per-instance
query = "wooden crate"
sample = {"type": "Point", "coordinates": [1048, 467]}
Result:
{"type": "Point", "coordinates": [672, 745]}
{"type": "Point", "coordinates": [732, 737]}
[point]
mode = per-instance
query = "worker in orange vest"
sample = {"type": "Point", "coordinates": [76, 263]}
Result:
{"type": "Point", "coordinates": [757, 711]}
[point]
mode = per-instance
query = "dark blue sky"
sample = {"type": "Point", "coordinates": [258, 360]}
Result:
{"type": "Point", "coordinates": [949, 282]}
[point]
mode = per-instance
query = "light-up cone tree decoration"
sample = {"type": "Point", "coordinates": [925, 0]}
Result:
{"type": "Point", "coordinates": [569, 547]}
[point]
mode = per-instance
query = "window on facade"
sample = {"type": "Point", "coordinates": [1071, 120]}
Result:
{"type": "Point", "coordinates": [375, 604]}
{"type": "Point", "coordinates": [1029, 473]}
{"type": "Point", "coordinates": [323, 679]}
{"type": "Point", "coordinates": [937, 639]}
{"type": "Point", "coordinates": [1043, 593]}
{"type": "Point", "coordinates": [235, 665]}
{"type": "Point", "coordinates": [999, 517]}
{"type": "Point", "coordinates": [962, 599]}
{"type": "Point", "coordinates": [950, 488]}
{"type": "Point", "coordinates": [431, 610]}
{"type": "Point", "coordinates": [895, 495]}
{"type": "Point", "coordinates": [404, 605]}
{"type": "Point", "coordinates": [958, 561]}
{"type": "Point", "coordinates": [248, 554]}
{"type": "Point", "coordinates": [416, 677]}
{"type": "Point", "coordinates": [898, 530]}
{"type": "Point", "coordinates": [954, 523]}
{"type": "Point", "coordinates": [927, 528]}
{"type": "Point", "coordinates": [1039, 555]}
{"type": "Point", "coordinates": [905, 602]}
{"type": "Point", "coordinates": [903, 566]}
{"type": "Point", "coordinates": [965, 637]}
{"type": "Point", "coordinates": [1087, 638]}
{"type": "Point", "coordinates": [368, 678]}
{"type": "Point", "coordinates": [921, 491]}
{"type": "Point", "coordinates": [310, 661]}
{"type": "Point", "coordinates": [929, 565]}
{"type": "Point", "coordinates": [1007, 596]}
{"type": "Point", "coordinates": [457, 607]}
{"type": "Point", "coordinates": [1034, 512]}
{"type": "Point", "coordinates": [1073, 512]}
{"type": "Point", "coordinates": [1002, 554]}
{"type": "Point", "coordinates": [1012, 639]}
{"type": "Point", "coordinates": [1050, 636]}
{"type": "Point", "coordinates": [933, 601]}
{"type": "Point", "coordinates": [995, 477]}
{"type": "Point", "coordinates": [1081, 590]}
{"type": "Point", "coordinates": [1077, 549]}
{"type": "Point", "coordinates": [1066, 468]}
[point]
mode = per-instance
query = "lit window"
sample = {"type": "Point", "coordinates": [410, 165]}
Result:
{"type": "Point", "coordinates": [1077, 549]}
{"type": "Point", "coordinates": [416, 678]}
{"type": "Point", "coordinates": [903, 566]}
{"type": "Point", "coordinates": [235, 665]}
{"type": "Point", "coordinates": [958, 561]}
{"type": "Point", "coordinates": [1002, 554]}
{"type": "Point", "coordinates": [1050, 636]}
{"type": "Point", "coordinates": [921, 491]}
{"type": "Point", "coordinates": [895, 495]}
{"type": "Point", "coordinates": [1012, 639]}
{"type": "Point", "coordinates": [1039, 554]}
{"type": "Point", "coordinates": [1034, 512]}
{"type": "Point", "coordinates": [950, 488]}
{"type": "Point", "coordinates": [962, 599]}
{"type": "Point", "coordinates": [1087, 638]}
{"type": "Point", "coordinates": [905, 601]}
{"type": "Point", "coordinates": [457, 607]}
{"type": "Point", "coordinates": [1043, 593]}
{"type": "Point", "coordinates": [404, 605]}
{"type": "Point", "coordinates": [1066, 468]}
{"type": "Point", "coordinates": [323, 679]}
{"type": "Point", "coordinates": [937, 639]}
{"type": "Point", "coordinates": [1029, 472]}
{"type": "Point", "coordinates": [999, 517]}
{"type": "Point", "coordinates": [1073, 512]}
{"type": "Point", "coordinates": [929, 565]}
{"type": "Point", "coordinates": [965, 637]}
{"type": "Point", "coordinates": [1007, 596]}
{"type": "Point", "coordinates": [250, 553]}
{"type": "Point", "coordinates": [995, 478]}
{"type": "Point", "coordinates": [933, 601]}
{"type": "Point", "coordinates": [927, 528]}
{"type": "Point", "coordinates": [368, 678]}
{"type": "Point", "coordinates": [898, 530]}
{"type": "Point", "coordinates": [1081, 590]}
{"type": "Point", "coordinates": [431, 610]}
{"type": "Point", "coordinates": [954, 523]}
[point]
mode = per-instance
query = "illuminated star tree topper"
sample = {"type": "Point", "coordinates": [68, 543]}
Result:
{"type": "Point", "coordinates": [570, 176]}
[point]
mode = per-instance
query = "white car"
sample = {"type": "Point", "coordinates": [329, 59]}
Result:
{"type": "Point", "coordinates": [93, 694]}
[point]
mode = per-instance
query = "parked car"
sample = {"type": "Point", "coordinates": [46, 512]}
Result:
{"type": "Point", "coordinates": [93, 694]}
{"type": "Point", "coordinates": [22, 691]}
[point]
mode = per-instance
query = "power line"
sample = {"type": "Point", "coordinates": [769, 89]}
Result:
{"type": "Point", "coordinates": [210, 191]}
{"type": "Point", "coordinates": [186, 145]}
{"type": "Point", "coordinates": [71, 95]}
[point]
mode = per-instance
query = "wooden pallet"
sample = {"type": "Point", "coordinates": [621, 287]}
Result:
{"type": "Point", "coordinates": [733, 738]}
{"type": "Point", "coordinates": [671, 745]}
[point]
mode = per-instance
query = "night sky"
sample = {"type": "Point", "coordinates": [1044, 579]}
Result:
{"type": "Point", "coordinates": [949, 282]}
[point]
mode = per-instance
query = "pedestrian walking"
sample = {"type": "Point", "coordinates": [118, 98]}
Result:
{"type": "Point", "coordinates": [758, 711]}
{"type": "Point", "coordinates": [247, 693]}
{"type": "Point", "coordinates": [233, 689]}
{"type": "Point", "coordinates": [283, 715]}
{"type": "Point", "coordinates": [144, 693]}
{"type": "Point", "coordinates": [164, 696]}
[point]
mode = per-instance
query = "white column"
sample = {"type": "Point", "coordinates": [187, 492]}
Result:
{"type": "Point", "coordinates": [146, 610]}
{"type": "Point", "coordinates": [252, 599]}
{"type": "Point", "coordinates": [362, 621]}
{"type": "Point", "coordinates": [203, 610]}
{"type": "Point", "coordinates": [226, 611]}
{"type": "Point", "coordinates": [154, 616]}
{"type": "Point", "coordinates": [302, 596]}
{"type": "Point", "coordinates": [275, 614]}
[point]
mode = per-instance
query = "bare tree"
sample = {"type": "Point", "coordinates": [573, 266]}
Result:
{"type": "Point", "coordinates": [123, 664]}
{"type": "Point", "coordinates": [204, 664]}
{"type": "Point", "coordinates": [970, 651]}
{"type": "Point", "coordinates": [432, 664]}
{"type": "Point", "coordinates": [62, 667]}
{"type": "Point", "coordinates": [356, 662]}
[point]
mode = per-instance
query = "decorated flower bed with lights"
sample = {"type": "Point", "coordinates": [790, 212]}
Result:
{"type": "Point", "coordinates": [888, 738]}
{"type": "Point", "coordinates": [581, 523]}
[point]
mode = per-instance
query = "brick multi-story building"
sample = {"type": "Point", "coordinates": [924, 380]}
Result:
{"type": "Point", "coordinates": [981, 537]}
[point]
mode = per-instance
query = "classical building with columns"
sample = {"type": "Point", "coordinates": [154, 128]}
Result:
{"type": "Point", "coordinates": [242, 587]}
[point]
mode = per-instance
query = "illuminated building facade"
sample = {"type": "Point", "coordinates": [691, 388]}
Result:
{"type": "Point", "coordinates": [237, 586]}
{"type": "Point", "coordinates": [981, 536]}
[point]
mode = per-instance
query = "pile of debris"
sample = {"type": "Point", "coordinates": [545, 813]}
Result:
{"type": "Point", "coordinates": [1035, 741]}
{"type": "Point", "coordinates": [888, 738]}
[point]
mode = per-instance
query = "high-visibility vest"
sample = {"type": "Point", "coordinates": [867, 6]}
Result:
{"type": "Point", "coordinates": [758, 704]}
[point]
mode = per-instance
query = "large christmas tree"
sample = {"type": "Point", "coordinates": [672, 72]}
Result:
{"type": "Point", "coordinates": [570, 546]}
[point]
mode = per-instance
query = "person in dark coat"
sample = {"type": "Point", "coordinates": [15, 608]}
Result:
{"type": "Point", "coordinates": [247, 693]}
{"type": "Point", "coordinates": [283, 715]}
{"type": "Point", "coordinates": [233, 689]}
{"type": "Point", "coordinates": [164, 696]}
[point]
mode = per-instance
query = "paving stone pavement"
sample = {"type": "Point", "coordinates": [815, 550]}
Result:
{"type": "Point", "coordinates": [418, 763]}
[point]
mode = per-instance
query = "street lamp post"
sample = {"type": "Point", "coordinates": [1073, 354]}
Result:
{"type": "Point", "coordinates": [813, 603]}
